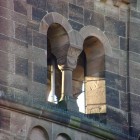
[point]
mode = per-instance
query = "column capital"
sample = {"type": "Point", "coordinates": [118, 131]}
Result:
{"type": "Point", "coordinates": [69, 61]}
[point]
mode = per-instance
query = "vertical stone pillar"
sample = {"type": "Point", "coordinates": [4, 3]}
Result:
{"type": "Point", "coordinates": [67, 100]}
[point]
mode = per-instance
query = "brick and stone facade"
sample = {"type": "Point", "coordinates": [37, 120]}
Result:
{"type": "Point", "coordinates": [32, 31]}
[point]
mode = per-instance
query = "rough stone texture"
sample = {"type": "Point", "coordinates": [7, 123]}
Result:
{"type": "Point", "coordinates": [24, 51]}
{"type": "Point", "coordinates": [21, 66]}
{"type": "Point", "coordinates": [19, 18]}
{"type": "Point", "coordinates": [38, 3]}
{"type": "Point", "coordinates": [79, 13]}
{"type": "Point", "coordinates": [4, 119]}
{"type": "Point", "coordinates": [40, 74]}
{"type": "Point", "coordinates": [6, 27]}
{"type": "Point", "coordinates": [20, 7]}
{"type": "Point", "coordinates": [134, 63]}
{"type": "Point", "coordinates": [115, 81]}
{"type": "Point", "coordinates": [61, 7]}
{"type": "Point", "coordinates": [39, 40]}
{"type": "Point", "coordinates": [112, 97]}
{"type": "Point", "coordinates": [114, 26]}
{"type": "Point", "coordinates": [21, 32]}
{"type": "Point", "coordinates": [75, 25]}
{"type": "Point", "coordinates": [113, 39]}
{"type": "Point", "coordinates": [37, 14]}
{"type": "Point", "coordinates": [93, 18]}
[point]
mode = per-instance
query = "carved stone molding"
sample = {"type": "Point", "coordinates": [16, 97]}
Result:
{"type": "Point", "coordinates": [70, 60]}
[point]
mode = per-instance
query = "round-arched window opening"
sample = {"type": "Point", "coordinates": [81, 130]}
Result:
{"type": "Point", "coordinates": [89, 77]}
{"type": "Point", "coordinates": [57, 46]}
{"type": "Point", "coordinates": [63, 136]}
{"type": "Point", "coordinates": [38, 133]}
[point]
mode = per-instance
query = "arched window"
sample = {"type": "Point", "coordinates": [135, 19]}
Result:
{"type": "Point", "coordinates": [89, 78]}
{"type": "Point", "coordinates": [57, 41]}
{"type": "Point", "coordinates": [63, 136]}
{"type": "Point", "coordinates": [38, 133]}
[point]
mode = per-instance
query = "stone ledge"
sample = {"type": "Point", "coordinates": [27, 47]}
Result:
{"type": "Point", "coordinates": [73, 120]}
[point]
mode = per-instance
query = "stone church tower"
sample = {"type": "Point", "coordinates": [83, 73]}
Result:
{"type": "Point", "coordinates": [52, 51]}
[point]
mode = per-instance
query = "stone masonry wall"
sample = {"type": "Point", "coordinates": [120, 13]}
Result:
{"type": "Point", "coordinates": [17, 126]}
{"type": "Point", "coordinates": [134, 63]}
{"type": "Point", "coordinates": [23, 50]}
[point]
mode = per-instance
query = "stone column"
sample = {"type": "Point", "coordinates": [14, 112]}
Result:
{"type": "Point", "coordinates": [66, 65]}
{"type": "Point", "coordinates": [67, 100]}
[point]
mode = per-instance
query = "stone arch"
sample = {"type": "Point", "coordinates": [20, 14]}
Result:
{"type": "Point", "coordinates": [66, 42]}
{"type": "Point", "coordinates": [96, 32]}
{"type": "Point", "coordinates": [38, 133]}
{"type": "Point", "coordinates": [90, 70]}
{"type": "Point", "coordinates": [53, 17]}
{"type": "Point", "coordinates": [63, 136]}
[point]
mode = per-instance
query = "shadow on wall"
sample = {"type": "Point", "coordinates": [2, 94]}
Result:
{"type": "Point", "coordinates": [38, 133]}
{"type": "Point", "coordinates": [90, 71]}
{"type": "Point", "coordinates": [63, 136]}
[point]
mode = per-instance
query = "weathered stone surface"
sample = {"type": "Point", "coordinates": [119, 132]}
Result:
{"type": "Point", "coordinates": [5, 136]}
{"type": "Point", "coordinates": [19, 18]}
{"type": "Point", "coordinates": [99, 7]}
{"type": "Point", "coordinates": [38, 56]}
{"type": "Point", "coordinates": [123, 44]}
{"type": "Point", "coordinates": [3, 78]}
{"type": "Point", "coordinates": [4, 43]}
{"type": "Point", "coordinates": [111, 11]}
{"type": "Point", "coordinates": [134, 104]}
{"type": "Point", "coordinates": [37, 14]}
{"type": "Point", "coordinates": [138, 4]}
{"type": "Point", "coordinates": [134, 86]}
{"type": "Point", "coordinates": [61, 7]}
{"type": "Point", "coordinates": [38, 91]}
{"type": "Point", "coordinates": [133, 3]}
{"type": "Point", "coordinates": [20, 6]}
{"type": "Point", "coordinates": [115, 26]}
{"type": "Point", "coordinates": [113, 40]}
{"type": "Point", "coordinates": [18, 82]}
{"type": "Point", "coordinates": [112, 64]}
{"type": "Point", "coordinates": [4, 12]}
{"type": "Point", "coordinates": [134, 57]}
{"type": "Point", "coordinates": [123, 67]}
{"type": "Point", "coordinates": [93, 18]}
{"type": "Point", "coordinates": [4, 119]}
{"type": "Point", "coordinates": [33, 25]}
{"type": "Point", "coordinates": [18, 124]}
{"type": "Point", "coordinates": [29, 36]}
{"type": "Point", "coordinates": [75, 25]}
{"type": "Point", "coordinates": [124, 101]}
{"type": "Point", "coordinates": [38, 3]}
{"type": "Point", "coordinates": [21, 32]}
{"type": "Point", "coordinates": [19, 48]}
{"type": "Point", "coordinates": [88, 4]}
{"type": "Point", "coordinates": [119, 54]}
{"type": "Point", "coordinates": [6, 27]}
{"type": "Point", "coordinates": [134, 69]}
{"type": "Point", "coordinates": [6, 61]}
{"type": "Point", "coordinates": [135, 30]}
{"type": "Point", "coordinates": [21, 66]}
{"type": "Point", "coordinates": [123, 14]}
{"type": "Point", "coordinates": [40, 74]}
{"type": "Point", "coordinates": [135, 15]}
{"type": "Point", "coordinates": [135, 121]}
{"type": "Point", "coordinates": [116, 116]}
{"type": "Point", "coordinates": [115, 81]}
{"type": "Point", "coordinates": [112, 97]}
{"type": "Point", "coordinates": [76, 13]}
{"type": "Point", "coordinates": [7, 3]}
{"type": "Point", "coordinates": [39, 40]}
{"type": "Point", "coordinates": [134, 45]}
